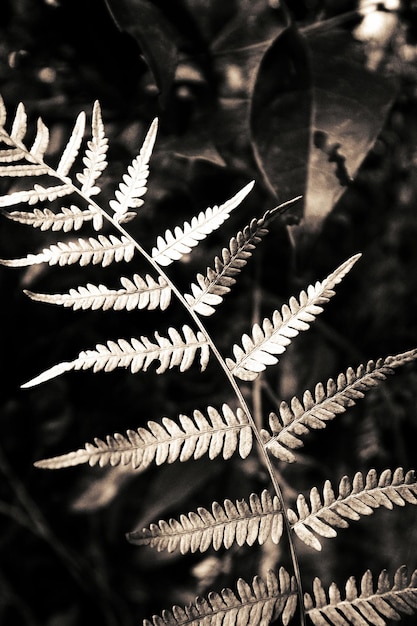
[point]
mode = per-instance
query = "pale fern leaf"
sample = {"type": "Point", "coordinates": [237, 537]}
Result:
{"type": "Point", "coordinates": [138, 354]}
{"type": "Point", "coordinates": [10, 155]}
{"type": "Point", "coordinates": [67, 219]}
{"type": "Point", "coordinates": [19, 125]}
{"type": "Point", "coordinates": [21, 170]}
{"type": "Point", "coordinates": [102, 250]}
{"type": "Point", "coordinates": [3, 113]}
{"type": "Point", "coordinates": [73, 146]}
{"type": "Point", "coordinates": [210, 289]}
{"type": "Point", "coordinates": [166, 442]}
{"type": "Point", "coordinates": [95, 155]}
{"type": "Point", "coordinates": [276, 334]}
{"type": "Point", "coordinates": [258, 520]}
{"type": "Point", "coordinates": [37, 194]}
{"type": "Point", "coordinates": [315, 410]}
{"type": "Point", "coordinates": [182, 240]}
{"type": "Point", "coordinates": [41, 141]}
{"type": "Point", "coordinates": [138, 293]}
{"type": "Point", "coordinates": [259, 603]}
{"type": "Point", "coordinates": [130, 192]}
{"type": "Point", "coordinates": [368, 606]}
{"type": "Point", "coordinates": [356, 498]}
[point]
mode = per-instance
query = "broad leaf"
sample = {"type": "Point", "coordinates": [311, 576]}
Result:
{"type": "Point", "coordinates": [146, 23]}
{"type": "Point", "coordinates": [319, 154]}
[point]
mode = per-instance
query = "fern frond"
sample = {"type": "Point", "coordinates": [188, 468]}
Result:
{"type": "Point", "coordinates": [130, 192]}
{"type": "Point", "coordinates": [240, 523]}
{"type": "Point", "coordinates": [68, 219]}
{"type": "Point", "coordinates": [315, 410]}
{"type": "Point", "coordinates": [18, 151]}
{"type": "Point", "coordinates": [137, 354]}
{"type": "Point", "coordinates": [11, 155]}
{"type": "Point", "coordinates": [73, 146]}
{"type": "Point", "coordinates": [3, 115]}
{"type": "Point", "coordinates": [37, 194]}
{"type": "Point", "coordinates": [182, 240]}
{"type": "Point", "coordinates": [102, 250]}
{"type": "Point", "coordinates": [275, 335]}
{"type": "Point", "coordinates": [374, 607]}
{"type": "Point", "coordinates": [19, 125]}
{"type": "Point", "coordinates": [21, 170]}
{"type": "Point", "coordinates": [259, 603]}
{"type": "Point", "coordinates": [210, 289]}
{"type": "Point", "coordinates": [138, 293]}
{"type": "Point", "coordinates": [41, 141]}
{"type": "Point", "coordinates": [166, 442]}
{"type": "Point", "coordinates": [95, 155]}
{"type": "Point", "coordinates": [356, 498]}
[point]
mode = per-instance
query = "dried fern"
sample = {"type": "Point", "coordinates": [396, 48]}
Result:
{"type": "Point", "coordinates": [370, 606]}
{"type": "Point", "coordinates": [130, 192]}
{"type": "Point", "coordinates": [210, 289]}
{"type": "Point", "coordinates": [275, 335]}
{"type": "Point", "coordinates": [103, 250]}
{"type": "Point", "coordinates": [138, 354]}
{"type": "Point", "coordinates": [167, 442]}
{"type": "Point", "coordinates": [356, 498]}
{"type": "Point", "coordinates": [316, 410]}
{"type": "Point", "coordinates": [238, 523]}
{"type": "Point", "coordinates": [137, 293]}
{"type": "Point", "coordinates": [259, 604]}
{"type": "Point", "coordinates": [256, 519]}
{"type": "Point", "coordinates": [183, 239]}
{"type": "Point", "coordinates": [95, 155]}
{"type": "Point", "coordinates": [71, 218]}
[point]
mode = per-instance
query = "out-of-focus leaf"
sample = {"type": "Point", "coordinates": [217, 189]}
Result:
{"type": "Point", "coordinates": [148, 26]}
{"type": "Point", "coordinates": [350, 105]}
{"type": "Point", "coordinates": [236, 56]}
{"type": "Point", "coordinates": [316, 112]}
{"type": "Point", "coordinates": [281, 113]}
{"type": "Point", "coordinates": [101, 489]}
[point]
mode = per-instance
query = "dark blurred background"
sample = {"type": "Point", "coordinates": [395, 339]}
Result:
{"type": "Point", "coordinates": [64, 559]}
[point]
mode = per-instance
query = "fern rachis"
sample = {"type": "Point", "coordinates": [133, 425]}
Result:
{"type": "Point", "coordinates": [216, 434]}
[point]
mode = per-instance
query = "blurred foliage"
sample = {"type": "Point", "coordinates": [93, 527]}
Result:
{"type": "Point", "coordinates": [296, 97]}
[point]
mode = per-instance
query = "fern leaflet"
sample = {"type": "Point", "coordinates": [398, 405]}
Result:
{"type": "Point", "coordinates": [210, 289]}
{"type": "Point", "coordinates": [41, 141]}
{"type": "Point", "coordinates": [18, 151]}
{"type": "Point", "coordinates": [166, 442]}
{"type": "Point", "coordinates": [273, 338]}
{"type": "Point", "coordinates": [356, 498]}
{"type": "Point", "coordinates": [37, 194]}
{"type": "Point", "coordinates": [95, 155]}
{"type": "Point", "coordinates": [239, 523]}
{"type": "Point", "coordinates": [102, 250]}
{"type": "Point", "coordinates": [22, 170]}
{"type": "Point", "coordinates": [259, 604]}
{"type": "Point", "coordinates": [138, 293]}
{"type": "Point", "coordinates": [73, 146]}
{"type": "Point", "coordinates": [137, 354]}
{"type": "Point", "coordinates": [182, 240]}
{"type": "Point", "coordinates": [19, 125]}
{"type": "Point", "coordinates": [130, 192]}
{"type": "Point", "coordinates": [316, 410]}
{"type": "Point", "coordinates": [68, 219]}
{"type": "Point", "coordinates": [371, 606]}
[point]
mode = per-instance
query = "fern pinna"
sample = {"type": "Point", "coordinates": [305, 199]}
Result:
{"type": "Point", "coordinates": [222, 431]}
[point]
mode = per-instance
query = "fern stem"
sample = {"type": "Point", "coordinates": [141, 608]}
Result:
{"type": "Point", "coordinates": [221, 361]}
